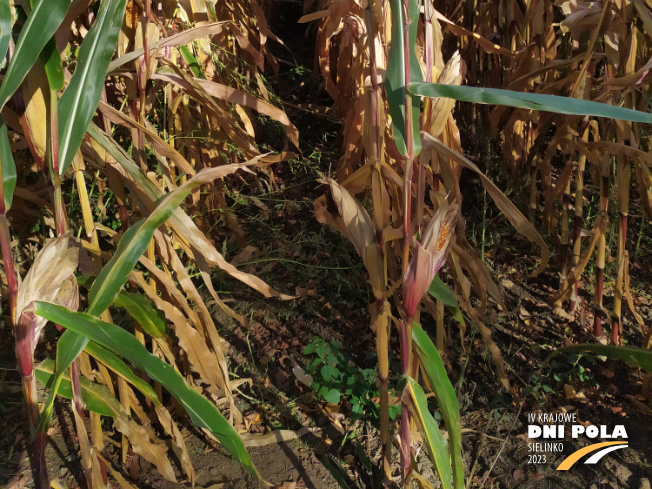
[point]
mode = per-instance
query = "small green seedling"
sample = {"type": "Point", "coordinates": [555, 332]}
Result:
{"type": "Point", "coordinates": [336, 378]}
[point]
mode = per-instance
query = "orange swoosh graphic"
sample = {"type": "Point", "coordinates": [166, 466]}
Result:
{"type": "Point", "coordinates": [575, 456]}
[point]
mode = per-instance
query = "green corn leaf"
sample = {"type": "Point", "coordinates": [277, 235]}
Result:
{"type": "Point", "coordinates": [636, 357]}
{"type": "Point", "coordinates": [457, 314]}
{"type": "Point", "coordinates": [439, 290]}
{"type": "Point", "coordinates": [121, 156]}
{"type": "Point", "coordinates": [40, 26]}
{"type": "Point", "coordinates": [395, 79]}
{"type": "Point", "coordinates": [435, 373]}
{"type": "Point", "coordinates": [436, 444]}
{"type": "Point", "coordinates": [113, 276]}
{"type": "Point", "coordinates": [202, 412]}
{"type": "Point", "coordinates": [5, 28]}
{"type": "Point", "coordinates": [51, 60]}
{"type": "Point", "coordinates": [533, 101]}
{"type": "Point", "coordinates": [8, 167]}
{"type": "Point", "coordinates": [93, 395]}
{"type": "Point", "coordinates": [122, 369]}
{"type": "Point", "coordinates": [69, 346]}
{"type": "Point", "coordinates": [135, 240]}
{"type": "Point", "coordinates": [79, 101]}
{"type": "Point", "coordinates": [52, 63]}
{"type": "Point", "coordinates": [193, 64]}
{"type": "Point", "coordinates": [143, 311]}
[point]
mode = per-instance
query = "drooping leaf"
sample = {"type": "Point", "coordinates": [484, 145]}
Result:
{"type": "Point", "coordinates": [439, 290]}
{"type": "Point", "coordinates": [189, 35]}
{"type": "Point", "coordinates": [202, 412]}
{"type": "Point", "coordinates": [122, 369]}
{"type": "Point", "coordinates": [135, 240]}
{"type": "Point", "coordinates": [515, 217]}
{"type": "Point", "coordinates": [395, 80]}
{"type": "Point", "coordinates": [435, 443]}
{"type": "Point", "coordinates": [532, 101]}
{"type": "Point", "coordinates": [435, 373]}
{"type": "Point", "coordinates": [354, 222]}
{"type": "Point", "coordinates": [235, 96]}
{"type": "Point", "coordinates": [69, 346]}
{"type": "Point", "coordinates": [159, 145]}
{"type": "Point", "coordinates": [99, 399]}
{"type": "Point", "coordinates": [636, 357]}
{"type": "Point", "coordinates": [40, 26]}
{"type": "Point", "coordinates": [183, 226]}
{"type": "Point", "coordinates": [143, 311]}
{"type": "Point", "coordinates": [79, 101]}
{"type": "Point", "coordinates": [193, 64]}
{"type": "Point", "coordinates": [94, 399]}
{"type": "Point", "coordinates": [191, 331]}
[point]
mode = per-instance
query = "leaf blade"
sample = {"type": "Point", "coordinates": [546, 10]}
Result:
{"type": "Point", "coordinates": [95, 402]}
{"type": "Point", "coordinates": [143, 311]}
{"type": "Point", "coordinates": [439, 290]}
{"type": "Point", "coordinates": [134, 242]}
{"type": "Point", "coordinates": [9, 176]}
{"type": "Point", "coordinates": [201, 411]}
{"type": "Point", "coordinates": [79, 101]}
{"type": "Point", "coordinates": [122, 369]}
{"type": "Point", "coordinates": [5, 28]}
{"type": "Point", "coordinates": [435, 372]}
{"type": "Point", "coordinates": [636, 357]}
{"type": "Point", "coordinates": [52, 63]}
{"type": "Point", "coordinates": [395, 87]}
{"type": "Point", "coordinates": [40, 26]}
{"type": "Point", "coordinates": [436, 444]}
{"type": "Point", "coordinates": [532, 101]}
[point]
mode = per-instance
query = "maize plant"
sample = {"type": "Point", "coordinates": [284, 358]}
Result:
{"type": "Point", "coordinates": [84, 80]}
{"type": "Point", "coordinates": [406, 152]}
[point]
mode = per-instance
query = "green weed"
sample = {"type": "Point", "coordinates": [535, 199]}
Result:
{"type": "Point", "coordinates": [336, 378]}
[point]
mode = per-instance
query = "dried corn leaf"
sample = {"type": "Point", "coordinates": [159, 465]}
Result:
{"type": "Point", "coordinates": [172, 430]}
{"type": "Point", "coordinates": [50, 278]}
{"type": "Point", "coordinates": [187, 329]}
{"type": "Point", "coordinates": [158, 144]}
{"type": "Point", "coordinates": [486, 44]}
{"type": "Point", "coordinates": [36, 94]}
{"type": "Point", "coordinates": [235, 96]}
{"type": "Point", "coordinates": [185, 229]}
{"type": "Point", "coordinates": [599, 229]}
{"type": "Point", "coordinates": [465, 303]}
{"type": "Point", "coordinates": [185, 37]}
{"type": "Point", "coordinates": [518, 220]}
{"type": "Point", "coordinates": [438, 109]}
{"type": "Point", "coordinates": [142, 441]}
{"type": "Point", "coordinates": [358, 227]}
